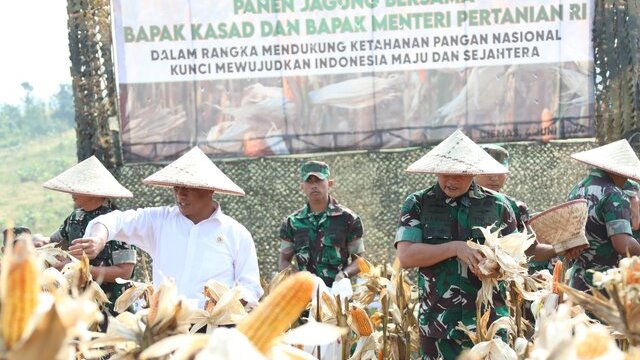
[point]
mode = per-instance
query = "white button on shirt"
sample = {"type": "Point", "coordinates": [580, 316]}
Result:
{"type": "Point", "coordinates": [217, 248]}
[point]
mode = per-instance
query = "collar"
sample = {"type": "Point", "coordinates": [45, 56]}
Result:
{"type": "Point", "coordinates": [216, 215]}
{"type": "Point", "coordinates": [599, 173]}
{"type": "Point", "coordinates": [475, 192]}
{"type": "Point", "coordinates": [333, 209]}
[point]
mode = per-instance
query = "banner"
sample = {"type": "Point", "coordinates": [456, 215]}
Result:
{"type": "Point", "coordinates": [268, 77]}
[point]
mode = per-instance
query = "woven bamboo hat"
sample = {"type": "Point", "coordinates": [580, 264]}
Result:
{"type": "Point", "coordinates": [88, 177]}
{"type": "Point", "coordinates": [617, 157]}
{"type": "Point", "coordinates": [458, 155]}
{"type": "Point", "coordinates": [562, 226]}
{"type": "Point", "coordinates": [194, 170]}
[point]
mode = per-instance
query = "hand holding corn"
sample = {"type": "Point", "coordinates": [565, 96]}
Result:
{"type": "Point", "coordinates": [90, 245]}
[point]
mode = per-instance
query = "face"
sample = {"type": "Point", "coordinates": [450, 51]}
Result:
{"type": "Point", "coordinates": [193, 202]}
{"type": "Point", "coordinates": [316, 189]}
{"type": "Point", "coordinates": [493, 182]}
{"type": "Point", "coordinates": [454, 185]}
{"type": "Point", "coordinates": [86, 202]}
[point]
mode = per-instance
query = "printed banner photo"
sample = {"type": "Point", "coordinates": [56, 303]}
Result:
{"type": "Point", "coordinates": [247, 78]}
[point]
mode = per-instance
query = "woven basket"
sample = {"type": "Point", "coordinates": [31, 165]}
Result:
{"type": "Point", "coordinates": [562, 226]}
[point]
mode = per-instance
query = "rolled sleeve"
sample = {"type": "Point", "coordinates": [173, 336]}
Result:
{"type": "Point", "coordinates": [409, 224]}
{"type": "Point", "coordinates": [620, 226]}
{"type": "Point", "coordinates": [286, 236]}
{"type": "Point", "coordinates": [286, 232]}
{"type": "Point", "coordinates": [356, 246]}
{"type": "Point", "coordinates": [127, 256]}
{"type": "Point", "coordinates": [285, 245]}
{"type": "Point", "coordinates": [408, 233]}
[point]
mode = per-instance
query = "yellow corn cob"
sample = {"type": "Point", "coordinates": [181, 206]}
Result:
{"type": "Point", "coordinates": [20, 288]}
{"type": "Point", "coordinates": [592, 347]}
{"type": "Point", "coordinates": [632, 275]}
{"type": "Point", "coordinates": [278, 310]}
{"type": "Point", "coordinates": [361, 322]}
{"type": "Point", "coordinates": [363, 265]}
{"type": "Point", "coordinates": [557, 274]}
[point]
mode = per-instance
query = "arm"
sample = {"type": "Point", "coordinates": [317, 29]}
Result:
{"type": "Point", "coordinates": [422, 255]}
{"type": "Point", "coordinates": [355, 246]}
{"type": "Point", "coordinates": [287, 250]}
{"type": "Point", "coordinates": [285, 257]}
{"type": "Point", "coordinates": [109, 274]}
{"type": "Point", "coordinates": [246, 269]}
{"type": "Point", "coordinates": [625, 245]}
{"type": "Point", "coordinates": [544, 252]}
{"type": "Point", "coordinates": [634, 203]}
{"type": "Point", "coordinates": [540, 252]}
{"type": "Point", "coordinates": [616, 212]}
{"type": "Point", "coordinates": [92, 243]}
{"type": "Point", "coordinates": [136, 227]}
{"type": "Point", "coordinates": [351, 269]}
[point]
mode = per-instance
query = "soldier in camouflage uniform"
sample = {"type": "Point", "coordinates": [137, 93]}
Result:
{"type": "Point", "coordinates": [608, 227]}
{"type": "Point", "coordinates": [434, 225]}
{"type": "Point", "coordinates": [91, 185]}
{"type": "Point", "coordinates": [543, 252]}
{"type": "Point", "coordinates": [117, 259]}
{"type": "Point", "coordinates": [324, 235]}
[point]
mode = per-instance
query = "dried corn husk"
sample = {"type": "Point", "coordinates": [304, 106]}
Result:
{"type": "Point", "coordinates": [129, 334]}
{"type": "Point", "coordinates": [494, 349]}
{"type": "Point", "coordinates": [222, 307]}
{"type": "Point", "coordinates": [136, 291]}
{"type": "Point", "coordinates": [505, 260]}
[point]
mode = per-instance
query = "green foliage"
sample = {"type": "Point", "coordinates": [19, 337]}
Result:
{"type": "Point", "coordinates": [34, 118]}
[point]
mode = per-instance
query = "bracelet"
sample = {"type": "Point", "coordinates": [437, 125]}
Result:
{"type": "Point", "coordinates": [346, 275]}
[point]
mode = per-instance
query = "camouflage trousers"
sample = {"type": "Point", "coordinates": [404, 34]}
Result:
{"type": "Point", "coordinates": [447, 349]}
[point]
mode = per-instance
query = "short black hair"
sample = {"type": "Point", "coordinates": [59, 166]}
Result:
{"type": "Point", "coordinates": [16, 230]}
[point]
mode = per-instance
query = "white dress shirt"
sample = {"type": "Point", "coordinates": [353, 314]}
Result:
{"type": "Point", "coordinates": [217, 248]}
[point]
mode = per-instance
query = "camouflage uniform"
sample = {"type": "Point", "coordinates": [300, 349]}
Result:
{"type": "Point", "coordinates": [114, 252]}
{"type": "Point", "coordinates": [323, 242]}
{"type": "Point", "coordinates": [448, 290]}
{"type": "Point", "coordinates": [631, 188]}
{"type": "Point", "coordinates": [609, 214]}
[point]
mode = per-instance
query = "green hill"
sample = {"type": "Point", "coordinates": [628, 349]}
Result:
{"type": "Point", "coordinates": [24, 168]}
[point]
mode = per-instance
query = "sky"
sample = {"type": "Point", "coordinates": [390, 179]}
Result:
{"type": "Point", "coordinates": [34, 48]}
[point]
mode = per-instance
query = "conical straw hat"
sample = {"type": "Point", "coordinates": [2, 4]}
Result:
{"type": "Point", "coordinates": [195, 170]}
{"type": "Point", "coordinates": [562, 226]}
{"type": "Point", "coordinates": [88, 177]}
{"type": "Point", "coordinates": [457, 154]}
{"type": "Point", "coordinates": [617, 157]}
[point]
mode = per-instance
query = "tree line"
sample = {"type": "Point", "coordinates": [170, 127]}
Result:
{"type": "Point", "coordinates": [34, 118]}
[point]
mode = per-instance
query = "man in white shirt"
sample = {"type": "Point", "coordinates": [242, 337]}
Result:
{"type": "Point", "coordinates": [192, 241]}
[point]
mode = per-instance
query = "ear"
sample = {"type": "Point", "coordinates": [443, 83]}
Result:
{"type": "Point", "coordinates": [330, 182]}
